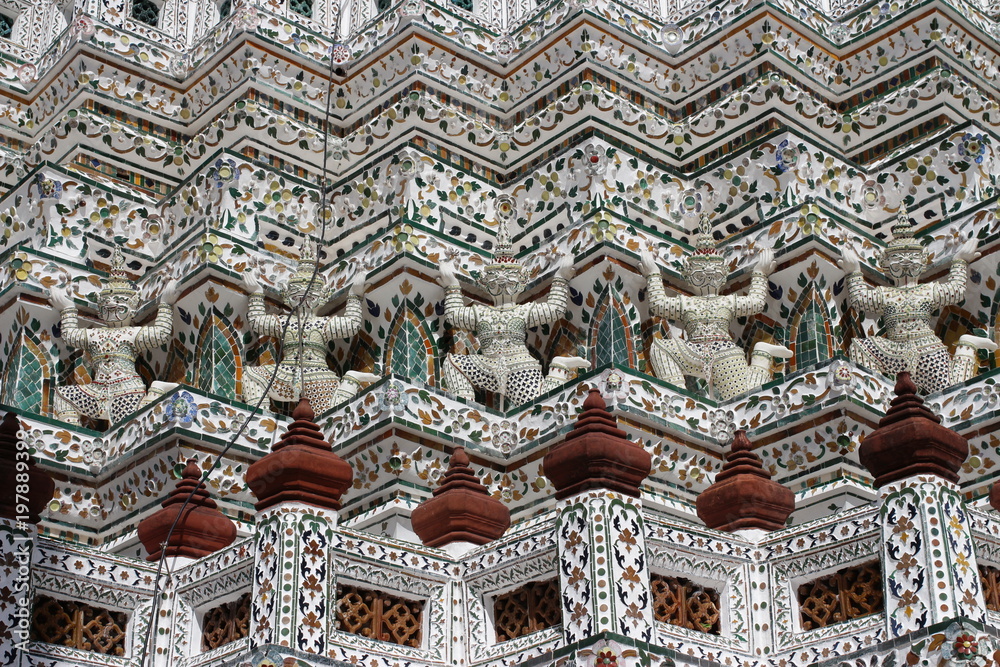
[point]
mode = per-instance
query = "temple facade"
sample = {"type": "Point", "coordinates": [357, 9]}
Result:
{"type": "Point", "coordinates": [469, 333]}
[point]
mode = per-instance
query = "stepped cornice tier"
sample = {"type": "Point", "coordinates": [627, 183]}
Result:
{"type": "Point", "coordinates": [528, 37]}
{"type": "Point", "coordinates": [761, 98]}
{"type": "Point", "coordinates": [194, 108]}
{"type": "Point", "coordinates": [666, 422]}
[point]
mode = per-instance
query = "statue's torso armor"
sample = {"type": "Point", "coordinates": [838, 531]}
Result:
{"type": "Point", "coordinates": [502, 332]}
{"type": "Point", "coordinates": [907, 313]}
{"type": "Point", "coordinates": [706, 319]}
{"type": "Point", "coordinates": [113, 353]}
{"type": "Point", "coordinates": [313, 342]}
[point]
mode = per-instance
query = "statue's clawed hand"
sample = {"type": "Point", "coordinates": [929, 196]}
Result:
{"type": "Point", "coordinates": [358, 284]}
{"type": "Point", "coordinates": [171, 292]}
{"type": "Point", "coordinates": [850, 262]}
{"type": "Point", "coordinates": [565, 268]}
{"type": "Point", "coordinates": [448, 277]}
{"type": "Point", "coordinates": [647, 261]}
{"type": "Point", "coordinates": [967, 252]}
{"type": "Point", "coordinates": [61, 297]}
{"type": "Point", "coordinates": [765, 262]}
{"type": "Point", "coordinates": [251, 280]}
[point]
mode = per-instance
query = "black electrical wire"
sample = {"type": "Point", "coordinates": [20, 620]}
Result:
{"type": "Point", "coordinates": [324, 208]}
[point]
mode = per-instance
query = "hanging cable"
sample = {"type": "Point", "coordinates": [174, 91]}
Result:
{"type": "Point", "coordinates": [324, 210]}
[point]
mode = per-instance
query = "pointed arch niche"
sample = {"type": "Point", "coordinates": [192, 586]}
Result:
{"type": "Point", "coordinates": [27, 375]}
{"type": "Point", "coordinates": [218, 362]}
{"type": "Point", "coordinates": [810, 339]}
{"type": "Point", "coordinates": [410, 350]}
{"type": "Point", "coordinates": [611, 338]}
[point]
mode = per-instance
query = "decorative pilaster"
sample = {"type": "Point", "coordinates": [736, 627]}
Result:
{"type": "Point", "coordinates": [25, 490]}
{"type": "Point", "coordinates": [298, 488]}
{"type": "Point", "coordinates": [929, 565]}
{"type": "Point", "coordinates": [600, 533]}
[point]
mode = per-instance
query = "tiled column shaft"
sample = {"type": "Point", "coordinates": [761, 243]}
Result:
{"type": "Point", "coordinates": [603, 566]}
{"type": "Point", "coordinates": [929, 563]}
{"type": "Point", "coordinates": [293, 590]}
{"type": "Point", "coordinates": [16, 551]}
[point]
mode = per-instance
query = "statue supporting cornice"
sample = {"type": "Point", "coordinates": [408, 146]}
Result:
{"type": "Point", "coordinates": [504, 364]}
{"type": "Point", "coordinates": [117, 389]}
{"type": "Point", "coordinates": [303, 371]}
{"type": "Point", "coordinates": [909, 343]}
{"type": "Point", "coordinates": [707, 350]}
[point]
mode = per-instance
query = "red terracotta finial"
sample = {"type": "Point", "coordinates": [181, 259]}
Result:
{"type": "Point", "coordinates": [744, 495]}
{"type": "Point", "coordinates": [741, 443]}
{"type": "Point", "coordinates": [904, 384]}
{"type": "Point", "coordinates": [596, 454]}
{"type": "Point", "coordinates": [303, 411]}
{"type": "Point", "coordinates": [594, 400]}
{"type": "Point", "coordinates": [910, 440]}
{"type": "Point", "coordinates": [461, 509]}
{"type": "Point", "coordinates": [41, 488]}
{"type": "Point", "coordinates": [202, 528]}
{"type": "Point", "coordinates": [301, 467]}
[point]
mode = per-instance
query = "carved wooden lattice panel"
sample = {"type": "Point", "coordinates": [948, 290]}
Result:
{"type": "Point", "coordinates": [683, 603]}
{"type": "Point", "coordinates": [226, 623]}
{"type": "Point", "coordinates": [530, 608]}
{"type": "Point", "coordinates": [380, 616]}
{"type": "Point", "coordinates": [78, 625]}
{"type": "Point", "coordinates": [991, 586]}
{"type": "Point", "coordinates": [849, 593]}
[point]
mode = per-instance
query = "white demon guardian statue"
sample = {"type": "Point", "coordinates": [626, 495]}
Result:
{"type": "Point", "coordinates": [302, 369]}
{"type": "Point", "coordinates": [117, 389]}
{"type": "Point", "coordinates": [707, 349]}
{"type": "Point", "coordinates": [909, 343]}
{"type": "Point", "coordinates": [504, 364]}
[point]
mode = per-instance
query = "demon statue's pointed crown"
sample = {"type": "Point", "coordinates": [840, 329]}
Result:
{"type": "Point", "coordinates": [301, 286]}
{"type": "Point", "coordinates": [705, 266]}
{"type": "Point", "coordinates": [504, 275]}
{"type": "Point", "coordinates": [904, 255]}
{"type": "Point", "coordinates": [119, 298]}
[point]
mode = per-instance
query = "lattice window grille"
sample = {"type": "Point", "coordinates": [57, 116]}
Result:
{"type": "Point", "coordinates": [529, 608]}
{"type": "Point", "coordinates": [146, 11]}
{"type": "Point", "coordinates": [991, 586]}
{"type": "Point", "coordinates": [225, 9]}
{"type": "Point", "coordinates": [6, 26]}
{"type": "Point", "coordinates": [382, 5]}
{"type": "Point", "coordinates": [79, 625]}
{"type": "Point", "coordinates": [380, 616]}
{"type": "Point", "coordinates": [852, 592]}
{"type": "Point", "coordinates": [226, 623]}
{"type": "Point", "coordinates": [686, 604]}
{"type": "Point", "coordinates": [303, 7]}
{"type": "Point", "coordinates": [463, 4]}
